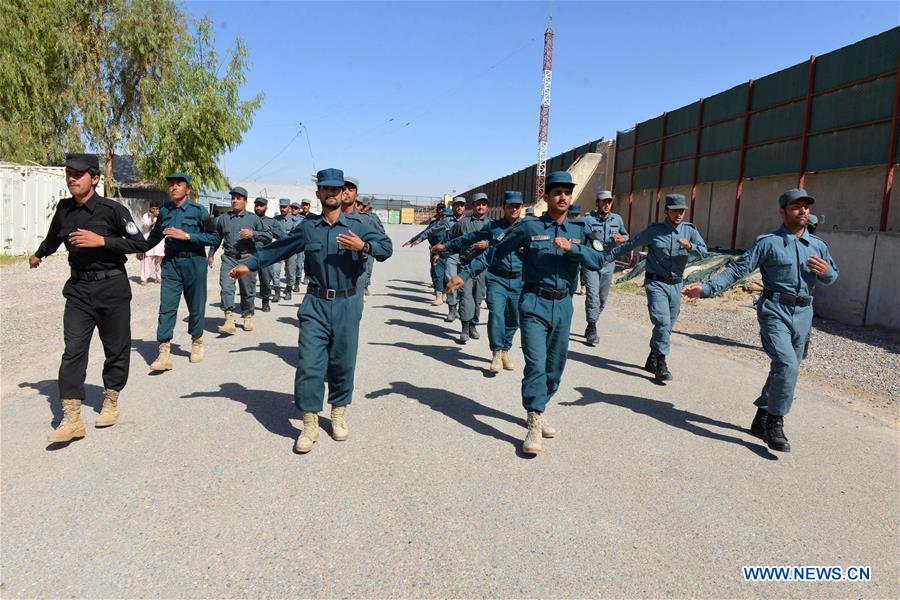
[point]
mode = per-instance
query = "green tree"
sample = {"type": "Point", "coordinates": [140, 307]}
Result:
{"type": "Point", "coordinates": [198, 114]}
{"type": "Point", "coordinates": [37, 54]}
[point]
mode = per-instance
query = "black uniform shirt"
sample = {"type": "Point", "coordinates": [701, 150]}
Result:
{"type": "Point", "coordinates": [104, 217]}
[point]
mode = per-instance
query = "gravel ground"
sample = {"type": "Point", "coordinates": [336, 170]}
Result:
{"type": "Point", "coordinates": [855, 365]}
{"type": "Point", "coordinates": [647, 490]}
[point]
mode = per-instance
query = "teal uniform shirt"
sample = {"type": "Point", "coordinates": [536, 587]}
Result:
{"type": "Point", "coordinates": [329, 314]}
{"type": "Point", "coordinates": [784, 327]}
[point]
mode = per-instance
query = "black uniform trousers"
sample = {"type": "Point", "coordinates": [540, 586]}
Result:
{"type": "Point", "coordinates": [106, 305]}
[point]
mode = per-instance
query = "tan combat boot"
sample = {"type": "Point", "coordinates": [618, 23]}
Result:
{"type": "Point", "coordinates": [438, 299]}
{"type": "Point", "coordinates": [339, 431]}
{"type": "Point", "coordinates": [163, 362]}
{"type": "Point", "coordinates": [532, 443]}
{"type": "Point", "coordinates": [547, 430]}
{"type": "Point", "coordinates": [497, 362]}
{"type": "Point", "coordinates": [507, 361]}
{"type": "Point", "coordinates": [228, 327]}
{"type": "Point", "coordinates": [71, 427]}
{"type": "Point", "coordinates": [197, 349]}
{"type": "Point", "coordinates": [110, 411]}
{"type": "Point", "coordinates": [310, 434]}
{"type": "Point", "coordinates": [248, 322]}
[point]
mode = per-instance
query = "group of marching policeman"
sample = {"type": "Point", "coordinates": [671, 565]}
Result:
{"type": "Point", "coordinates": [527, 267]}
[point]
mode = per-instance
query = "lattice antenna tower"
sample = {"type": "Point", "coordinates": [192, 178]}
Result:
{"type": "Point", "coordinates": [544, 127]}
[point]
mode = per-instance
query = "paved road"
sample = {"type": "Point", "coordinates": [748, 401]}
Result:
{"type": "Point", "coordinates": [646, 491]}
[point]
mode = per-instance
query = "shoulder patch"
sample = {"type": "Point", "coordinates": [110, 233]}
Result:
{"type": "Point", "coordinates": [131, 228]}
{"type": "Point", "coordinates": [597, 245]}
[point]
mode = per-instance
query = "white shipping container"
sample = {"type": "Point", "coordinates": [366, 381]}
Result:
{"type": "Point", "coordinates": [28, 199]}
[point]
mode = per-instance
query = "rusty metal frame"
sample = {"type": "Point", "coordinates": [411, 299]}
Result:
{"type": "Point", "coordinates": [740, 178]}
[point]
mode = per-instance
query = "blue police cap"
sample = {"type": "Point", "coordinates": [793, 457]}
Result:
{"type": "Point", "coordinates": [83, 162]}
{"type": "Point", "coordinates": [459, 199]}
{"type": "Point", "coordinates": [351, 181]}
{"type": "Point", "coordinates": [479, 196]}
{"type": "Point", "coordinates": [529, 211]}
{"type": "Point", "coordinates": [512, 197]}
{"type": "Point", "coordinates": [574, 208]}
{"type": "Point", "coordinates": [604, 195]}
{"type": "Point", "coordinates": [675, 201]}
{"type": "Point", "coordinates": [239, 191]}
{"type": "Point", "coordinates": [284, 202]}
{"type": "Point", "coordinates": [812, 220]}
{"type": "Point", "coordinates": [262, 201]}
{"type": "Point", "coordinates": [330, 178]}
{"type": "Point", "coordinates": [794, 194]}
{"type": "Point", "coordinates": [295, 204]}
{"type": "Point", "coordinates": [558, 178]}
{"type": "Point", "coordinates": [305, 201]}
{"type": "Point", "coordinates": [179, 175]}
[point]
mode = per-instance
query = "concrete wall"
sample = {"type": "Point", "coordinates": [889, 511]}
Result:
{"type": "Point", "coordinates": [868, 287]}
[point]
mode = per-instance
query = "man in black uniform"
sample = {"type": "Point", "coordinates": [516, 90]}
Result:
{"type": "Point", "coordinates": [97, 232]}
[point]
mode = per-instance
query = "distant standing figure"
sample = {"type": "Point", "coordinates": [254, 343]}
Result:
{"type": "Point", "coordinates": [151, 264]}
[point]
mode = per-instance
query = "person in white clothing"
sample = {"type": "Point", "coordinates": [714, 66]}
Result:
{"type": "Point", "coordinates": [151, 264]}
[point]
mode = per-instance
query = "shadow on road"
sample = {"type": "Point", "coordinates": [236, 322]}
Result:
{"type": "Point", "coordinates": [665, 412]}
{"type": "Point", "coordinates": [718, 340]}
{"type": "Point", "coordinates": [459, 408]}
{"type": "Point", "coordinates": [615, 366]}
{"type": "Point", "coordinates": [447, 355]}
{"type": "Point", "coordinates": [292, 321]}
{"type": "Point", "coordinates": [423, 327]}
{"type": "Point", "coordinates": [419, 283]}
{"type": "Point", "coordinates": [286, 353]}
{"type": "Point", "coordinates": [422, 312]}
{"type": "Point", "coordinates": [407, 297]}
{"type": "Point", "coordinates": [416, 290]}
{"type": "Point", "coordinates": [273, 410]}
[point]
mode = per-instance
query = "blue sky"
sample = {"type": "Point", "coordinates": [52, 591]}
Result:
{"type": "Point", "coordinates": [429, 97]}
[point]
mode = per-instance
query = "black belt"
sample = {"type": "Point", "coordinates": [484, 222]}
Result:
{"type": "Point", "coordinates": [547, 293]}
{"type": "Point", "coordinates": [504, 274]}
{"type": "Point", "coordinates": [96, 275]}
{"type": "Point", "coordinates": [238, 255]}
{"type": "Point", "coordinates": [669, 280]}
{"type": "Point", "coordinates": [787, 299]}
{"type": "Point", "coordinates": [184, 254]}
{"type": "Point", "coordinates": [327, 294]}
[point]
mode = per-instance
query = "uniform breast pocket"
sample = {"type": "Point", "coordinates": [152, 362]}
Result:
{"type": "Point", "coordinates": [783, 269]}
{"type": "Point", "coordinates": [314, 247]}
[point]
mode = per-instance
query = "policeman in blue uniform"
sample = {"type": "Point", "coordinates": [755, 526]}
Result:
{"type": "Point", "coordinates": [329, 315]}
{"type": "Point", "coordinates": [529, 212]}
{"type": "Point", "coordinates": [669, 244]}
{"type": "Point", "coordinates": [451, 264]}
{"type": "Point", "coordinates": [504, 279]}
{"type": "Point", "coordinates": [268, 285]}
{"type": "Point", "coordinates": [98, 233]}
{"type": "Point", "coordinates": [553, 250]}
{"type": "Point", "coordinates": [353, 205]}
{"type": "Point", "coordinates": [299, 259]}
{"type": "Point", "coordinates": [792, 261]}
{"type": "Point", "coordinates": [575, 214]}
{"type": "Point", "coordinates": [187, 228]}
{"type": "Point", "coordinates": [287, 221]}
{"type": "Point", "coordinates": [239, 232]}
{"type": "Point", "coordinates": [474, 290]}
{"type": "Point", "coordinates": [609, 229]}
{"type": "Point", "coordinates": [435, 235]}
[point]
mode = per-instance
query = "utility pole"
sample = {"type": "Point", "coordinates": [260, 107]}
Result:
{"type": "Point", "coordinates": [544, 126]}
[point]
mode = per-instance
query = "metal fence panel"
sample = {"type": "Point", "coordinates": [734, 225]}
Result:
{"type": "Point", "coordinates": [849, 148]}
{"type": "Point", "coordinates": [723, 105]}
{"type": "Point", "coordinates": [776, 123]}
{"type": "Point", "coordinates": [681, 146]}
{"type": "Point", "coordinates": [650, 130]}
{"type": "Point", "coordinates": [780, 86]}
{"type": "Point", "coordinates": [678, 173]}
{"type": "Point", "coordinates": [773, 159]}
{"type": "Point", "coordinates": [722, 136]}
{"type": "Point", "coordinates": [866, 58]}
{"type": "Point", "coordinates": [682, 119]}
{"type": "Point", "coordinates": [857, 104]}
{"type": "Point", "coordinates": [647, 155]}
{"type": "Point", "coordinates": [719, 167]}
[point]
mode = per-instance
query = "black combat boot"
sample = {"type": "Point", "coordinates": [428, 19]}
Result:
{"type": "Point", "coordinates": [277, 296]}
{"type": "Point", "coordinates": [650, 365]}
{"type": "Point", "coordinates": [662, 370]}
{"type": "Point", "coordinates": [758, 427]}
{"type": "Point", "coordinates": [590, 334]}
{"type": "Point", "coordinates": [297, 286]}
{"type": "Point", "coordinates": [464, 333]}
{"type": "Point", "coordinates": [265, 306]}
{"type": "Point", "coordinates": [452, 314]}
{"type": "Point", "coordinates": [473, 333]}
{"type": "Point", "coordinates": [774, 436]}
{"type": "Point", "coordinates": [287, 293]}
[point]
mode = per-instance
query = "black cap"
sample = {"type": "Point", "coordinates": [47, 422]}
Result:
{"type": "Point", "coordinates": [83, 162]}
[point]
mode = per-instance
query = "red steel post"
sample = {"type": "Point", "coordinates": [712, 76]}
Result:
{"type": "Point", "coordinates": [740, 179]}
{"type": "Point", "coordinates": [631, 186]}
{"type": "Point", "coordinates": [892, 157]}
{"type": "Point", "coordinates": [662, 155]}
{"type": "Point", "coordinates": [696, 159]}
{"type": "Point", "coordinates": [807, 119]}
